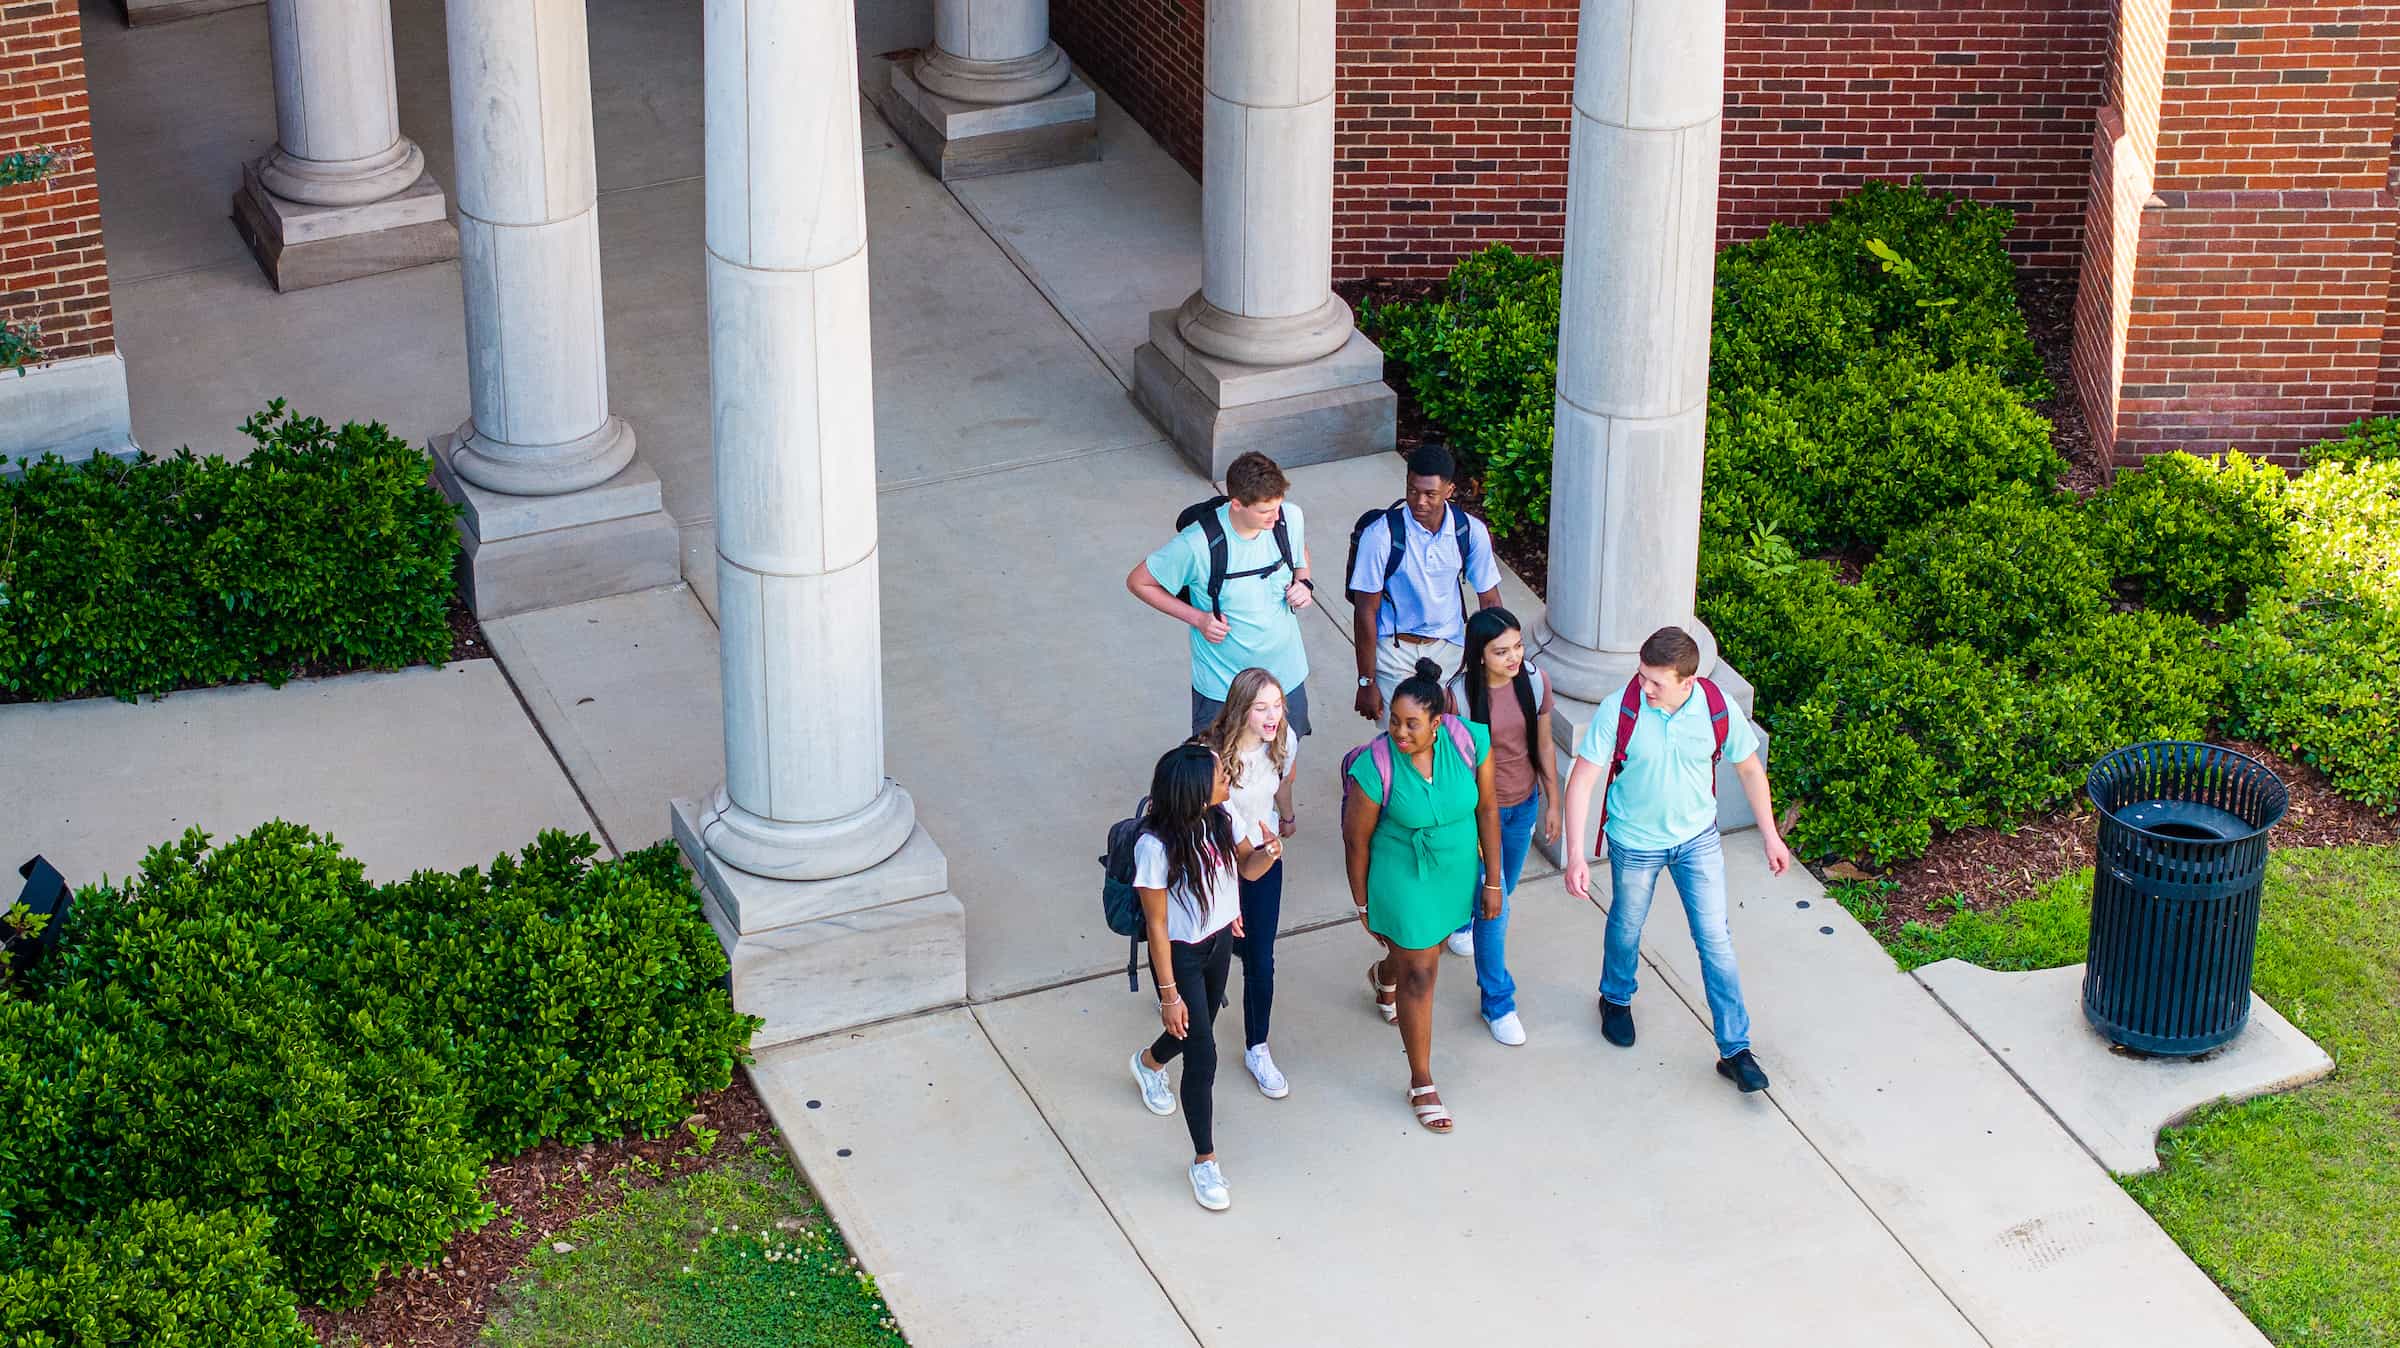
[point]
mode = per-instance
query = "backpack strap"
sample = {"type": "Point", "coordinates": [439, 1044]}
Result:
{"type": "Point", "coordinates": [1213, 530]}
{"type": "Point", "coordinates": [1461, 739]}
{"type": "Point", "coordinates": [1464, 532]}
{"type": "Point", "coordinates": [1395, 526]}
{"type": "Point", "coordinates": [1133, 964]}
{"type": "Point", "coordinates": [1379, 751]}
{"type": "Point", "coordinates": [1283, 543]}
{"type": "Point", "coordinates": [1720, 723]}
{"type": "Point", "coordinates": [1629, 716]}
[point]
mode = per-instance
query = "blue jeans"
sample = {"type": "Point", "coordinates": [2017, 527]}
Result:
{"type": "Point", "coordinates": [1491, 934]}
{"type": "Point", "coordinates": [1699, 870]}
{"type": "Point", "coordinates": [1262, 912]}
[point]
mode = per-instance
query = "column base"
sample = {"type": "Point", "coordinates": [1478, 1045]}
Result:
{"type": "Point", "coordinates": [956, 140]}
{"type": "Point", "coordinates": [139, 13]}
{"type": "Point", "coordinates": [1569, 717]}
{"type": "Point", "coordinates": [814, 956]}
{"type": "Point", "coordinates": [534, 552]}
{"type": "Point", "coordinates": [299, 245]}
{"type": "Point", "coordinates": [72, 408]}
{"type": "Point", "coordinates": [1215, 410]}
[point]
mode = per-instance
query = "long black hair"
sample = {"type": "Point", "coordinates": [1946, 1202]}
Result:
{"type": "Point", "coordinates": [1487, 626]}
{"type": "Point", "coordinates": [1198, 837]}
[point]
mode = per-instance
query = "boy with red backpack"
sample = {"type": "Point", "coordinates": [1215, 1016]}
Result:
{"type": "Point", "coordinates": [1659, 812]}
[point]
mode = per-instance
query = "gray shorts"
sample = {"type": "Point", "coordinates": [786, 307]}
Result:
{"type": "Point", "coordinates": [1295, 708]}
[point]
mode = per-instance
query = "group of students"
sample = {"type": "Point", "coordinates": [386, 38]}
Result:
{"type": "Point", "coordinates": [1439, 808]}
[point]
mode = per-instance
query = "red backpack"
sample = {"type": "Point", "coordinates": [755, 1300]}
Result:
{"type": "Point", "coordinates": [1629, 715]}
{"type": "Point", "coordinates": [1379, 749]}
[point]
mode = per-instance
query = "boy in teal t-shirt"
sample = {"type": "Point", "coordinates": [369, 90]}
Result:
{"type": "Point", "coordinates": [1257, 622]}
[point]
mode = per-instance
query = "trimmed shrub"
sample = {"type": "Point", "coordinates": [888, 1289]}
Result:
{"type": "Point", "coordinates": [570, 1000]}
{"type": "Point", "coordinates": [2319, 679]}
{"type": "Point", "coordinates": [1995, 574]}
{"type": "Point", "coordinates": [1938, 272]}
{"type": "Point", "coordinates": [2345, 531]}
{"type": "Point", "coordinates": [2374, 440]}
{"type": "Point", "coordinates": [323, 547]}
{"type": "Point", "coordinates": [1848, 460]}
{"type": "Point", "coordinates": [1482, 364]}
{"type": "Point", "coordinates": [152, 1274]}
{"type": "Point", "coordinates": [1784, 626]}
{"type": "Point", "coordinates": [2125, 678]}
{"type": "Point", "coordinates": [1786, 308]}
{"type": "Point", "coordinates": [1864, 787]}
{"type": "Point", "coordinates": [2190, 534]}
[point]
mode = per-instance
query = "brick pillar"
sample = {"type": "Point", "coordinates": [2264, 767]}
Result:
{"type": "Point", "coordinates": [53, 273]}
{"type": "Point", "coordinates": [2238, 241]}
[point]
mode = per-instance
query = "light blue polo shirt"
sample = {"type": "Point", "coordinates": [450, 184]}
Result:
{"type": "Point", "coordinates": [1263, 630]}
{"type": "Point", "coordinates": [1664, 797]}
{"type": "Point", "coordinates": [1422, 597]}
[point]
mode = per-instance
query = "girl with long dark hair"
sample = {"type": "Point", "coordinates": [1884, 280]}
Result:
{"type": "Point", "coordinates": [1184, 864]}
{"type": "Point", "coordinates": [1498, 688]}
{"type": "Point", "coordinates": [1254, 739]}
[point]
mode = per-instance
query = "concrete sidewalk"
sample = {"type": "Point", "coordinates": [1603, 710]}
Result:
{"type": "Point", "coordinates": [991, 1163]}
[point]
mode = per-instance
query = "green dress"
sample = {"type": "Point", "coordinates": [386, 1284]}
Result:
{"type": "Point", "coordinates": [1423, 863]}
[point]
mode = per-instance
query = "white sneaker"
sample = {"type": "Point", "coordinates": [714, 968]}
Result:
{"type": "Point", "coordinates": [1157, 1096]}
{"type": "Point", "coordinates": [1508, 1029]}
{"type": "Point", "coordinates": [1208, 1186]}
{"type": "Point", "coordinates": [1262, 1066]}
{"type": "Point", "coordinates": [1462, 943]}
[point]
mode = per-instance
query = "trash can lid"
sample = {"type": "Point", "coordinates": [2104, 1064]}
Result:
{"type": "Point", "coordinates": [2186, 819]}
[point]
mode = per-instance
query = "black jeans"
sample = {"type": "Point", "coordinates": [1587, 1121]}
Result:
{"type": "Point", "coordinates": [1201, 971]}
{"type": "Point", "coordinates": [1262, 910]}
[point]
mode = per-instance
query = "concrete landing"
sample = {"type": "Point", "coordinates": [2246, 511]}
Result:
{"type": "Point", "coordinates": [2114, 1102]}
{"type": "Point", "coordinates": [423, 769]}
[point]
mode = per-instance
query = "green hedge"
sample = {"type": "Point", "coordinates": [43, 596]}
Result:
{"type": "Point", "coordinates": [151, 1274]}
{"type": "Point", "coordinates": [2190, 534]}
{"type": "Point", "coordinates": [257, 1026]}
{"type": "Point", "coordinates": [1995, 573]}
{"type": "Point", "coordinates": [322, 547]}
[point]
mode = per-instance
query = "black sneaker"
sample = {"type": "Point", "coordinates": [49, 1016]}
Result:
{"type": "Point", "coordinates": [1616, 1023]}
{"type": "Point", "coordinates": [1742, 1070]}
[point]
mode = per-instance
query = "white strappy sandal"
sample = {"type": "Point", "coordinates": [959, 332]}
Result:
{"type": "Point", "coordinates": [1436, 1116]}
{"type": "Point", "coordinates": [1389, 1010]}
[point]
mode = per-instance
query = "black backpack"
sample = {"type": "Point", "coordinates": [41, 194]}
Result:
{"type": "Point", "coordinates": [1120, 903]}
{"type": "Point", "coordinates": [1395, 516]}
{"type": "Point", "coordinates": [1204, 514]}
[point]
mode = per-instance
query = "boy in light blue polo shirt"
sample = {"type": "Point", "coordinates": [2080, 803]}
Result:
{"type": "Point", "coordinates": [1257, 617]}
{"type": "Point", "coordinates": [1660, 813]}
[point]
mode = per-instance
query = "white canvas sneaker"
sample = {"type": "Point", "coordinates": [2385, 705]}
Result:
{"type": "Point", "coordinates": [1508, 1029]}
{"type": "Point", "coordinates": [1461, 943]}
{"type": "Point", "coordinates": [1208, 1186]}
{"type": "Point", "coordinates": [1157, 1096]}
{"type": "Point", "coordinates": [1262, 1066]}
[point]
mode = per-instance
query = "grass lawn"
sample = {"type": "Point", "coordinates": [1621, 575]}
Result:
{"type": "Point", "coordinates": [737, 1256]}
{"type": "Point", "coordinates": [2291, 1202]}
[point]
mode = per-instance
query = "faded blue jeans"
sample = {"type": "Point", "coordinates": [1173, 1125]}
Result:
{"type": "Point", "coordinates": [1499, 991]}
{"type": "Point", "coordinates": [1699, 870]}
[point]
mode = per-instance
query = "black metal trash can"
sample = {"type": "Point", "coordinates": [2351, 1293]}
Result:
{"type": "Point", "coordinates": [2183, 855]}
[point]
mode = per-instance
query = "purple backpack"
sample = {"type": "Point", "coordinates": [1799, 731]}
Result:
{"type": "Point", "coordinates": [1380, 750]}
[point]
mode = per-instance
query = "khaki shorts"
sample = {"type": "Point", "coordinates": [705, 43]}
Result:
{"type": "Point", "coordinates": [1396, 661]}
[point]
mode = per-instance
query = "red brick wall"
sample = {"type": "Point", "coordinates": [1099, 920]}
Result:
{"type": "Point", "coordinates": [2262, 275]}
{"type": "Point", "coordinates": [52, 270]}
{"type": "Point", "coordinates": [1453, 117]}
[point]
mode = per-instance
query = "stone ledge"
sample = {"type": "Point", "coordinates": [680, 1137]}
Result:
{"type": "Point", "coordinates": [2113, 1102]}
{"type": "Point", "coordinates": [955, 140]}
{"type": "Point", "coordinates": [1316, 427]}
{"type": "Point", "coordinates": [522, 553]}
{"type": "Point", "coordinates": [72, 408]}
{"type": "Point", "coordinates": [839, 953]}
{"type": "Point", "coordinates": [299, 245]}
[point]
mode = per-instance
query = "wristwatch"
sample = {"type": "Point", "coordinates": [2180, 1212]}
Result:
{"type": "Point", "coordinates": [1366, 680]}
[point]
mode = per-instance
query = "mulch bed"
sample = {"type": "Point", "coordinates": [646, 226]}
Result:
{"type": "Point", "coordinates": [2048, 299]}
{"type": "Point", "coordinates": [546, 1188]}
{"type": "Point", "coordinates": [1992, 869]}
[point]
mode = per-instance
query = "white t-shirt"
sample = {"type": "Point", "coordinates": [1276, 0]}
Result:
{"type": "Point", "coordinates": [1205, 915]}
{"type": "Point", "coordinates": [1253, 799]}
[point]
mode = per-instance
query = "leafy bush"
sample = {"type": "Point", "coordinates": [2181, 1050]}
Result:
{"type": "Point", "coordinates": [571, 1001]}
{"type": "Point", "coordinates": [2123, 679]}
{"type": "Point", "coordinates": [2345, 531]}
{"type": "Point", "coordinates": [1995, 574]}
{"type": "Point", "coordinates": [1482, 364]}
{"type": "Point", "coordinates": [1865, 788]}
{"type": "Point", "coordinates": [152, 1274]}
{"type": "Point", "coordinates": [2318, 678]}
{"type": "Point", "coordinates": [1784, 628]}
{"type": "Point", "coordinates": [322, 547]}
{"type": "Point", "coordinates": [1786, 308]}
{"type": "Point", "coordinates": [2364, 441]}
{"type": "Point", "coordinates": [258, 1026]}
{"type": "Point", "coordinates": [1944, 282]}
{"type": "Point", "coordinates": [2194, 535]}
{"type": "Point", "coordinates": [1848, 460]}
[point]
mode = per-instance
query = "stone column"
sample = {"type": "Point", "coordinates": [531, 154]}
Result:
{"type": "Point", "coordinates": [830, 899]}
{"type": "Point", "coordinates": [1633, 344]}
{"type": "Point", "coordinates": [993, 94]}
{"type": "Point", "coordinates": [343, 193]}
{"type": "Point", "coordinates": [540, 454]}
{"type": "Point", "coordinates": [1264, 355]}
{"type": "Point", "coordinates": [1632, 407]}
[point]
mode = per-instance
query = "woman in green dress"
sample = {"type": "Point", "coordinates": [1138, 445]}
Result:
{"type": "Point", "coordinates": [1421, 830]}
